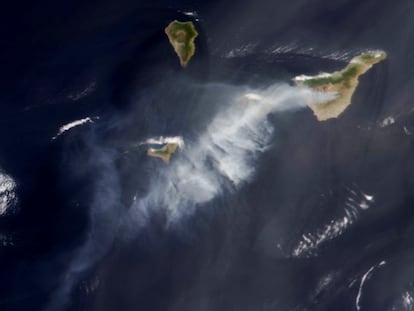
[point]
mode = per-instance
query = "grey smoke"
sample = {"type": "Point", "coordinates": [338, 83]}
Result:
{"type": "Point", "coordinates": [226, 153]}
{"type": "Point", "coordinates": [105, 215]}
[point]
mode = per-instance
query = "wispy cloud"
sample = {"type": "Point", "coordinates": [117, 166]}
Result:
{"type": "Point", "coordinates": [71, 125]}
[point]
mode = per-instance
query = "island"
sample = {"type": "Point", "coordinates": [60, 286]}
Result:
{"type": "Point", "coordinates": [343, 83]}
{"type": "Point", "coordinates": [181, 36]}
{"type": "Point", "coordinates": [164, 152]}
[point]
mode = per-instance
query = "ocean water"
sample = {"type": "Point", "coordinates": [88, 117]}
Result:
{"type": "Point", "coordinates": [323, 219]}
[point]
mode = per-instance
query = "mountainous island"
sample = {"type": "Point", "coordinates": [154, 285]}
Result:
{"type": "Point", "coordinates": [164, 152]}
{"type": "Point", "coordinates": [181, 36]}
{"type": "Point", "coordinates": [343, 83]}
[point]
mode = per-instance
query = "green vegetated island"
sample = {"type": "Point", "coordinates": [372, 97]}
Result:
{"type": "Point", "coordinates": [181, 36]}
{"type": "Point", "coordinates": [164, 152]}
{"type": "Point", "coordinates": [343, 83]}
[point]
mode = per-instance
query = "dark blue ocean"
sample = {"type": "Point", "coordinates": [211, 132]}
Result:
{"type": "Point", "coordinates": [325, 223]}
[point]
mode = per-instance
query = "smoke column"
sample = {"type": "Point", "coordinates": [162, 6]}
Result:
{"type": "Point", "coordinates": [224, 154]}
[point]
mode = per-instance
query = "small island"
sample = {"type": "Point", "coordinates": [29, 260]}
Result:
{"type": "Point", "coordinates": [163, 153]}
{"type": "Point", "coordinates": [181, 36]}
{"type": "Point", "coordinates": [343, 83]}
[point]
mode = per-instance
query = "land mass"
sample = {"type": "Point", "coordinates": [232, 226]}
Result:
{"type": "Point", "coordinates": [163, 153]}
{"type": "Point", "coordinates": [181, 36]}
{"type": "Point", "coordinates": [343, 83]}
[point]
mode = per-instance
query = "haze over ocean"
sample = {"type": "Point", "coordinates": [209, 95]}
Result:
{"type": "Point", "coordinates": [261, 208]}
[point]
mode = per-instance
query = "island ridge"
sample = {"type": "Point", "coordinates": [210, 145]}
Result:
{"type": "Point", "coordinates": [343, 83]}
{"type": "Point", "coordinates": [163, 153]}
{"type": "Point", "coordinates": [181, 36]}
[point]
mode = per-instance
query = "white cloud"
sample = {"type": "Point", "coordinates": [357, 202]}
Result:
{"type": "Point", "coordinates": [7, 193]}
{"type": "Point", "coordinates": [71, 125]}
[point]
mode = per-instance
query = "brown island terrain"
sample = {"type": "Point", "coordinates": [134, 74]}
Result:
{"type": "Point", "coordinates": [164, 152]}
{"type": "Point", "coordinates": [181, 36]}
{"type": "Point", "coordinates": [343, 83]}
